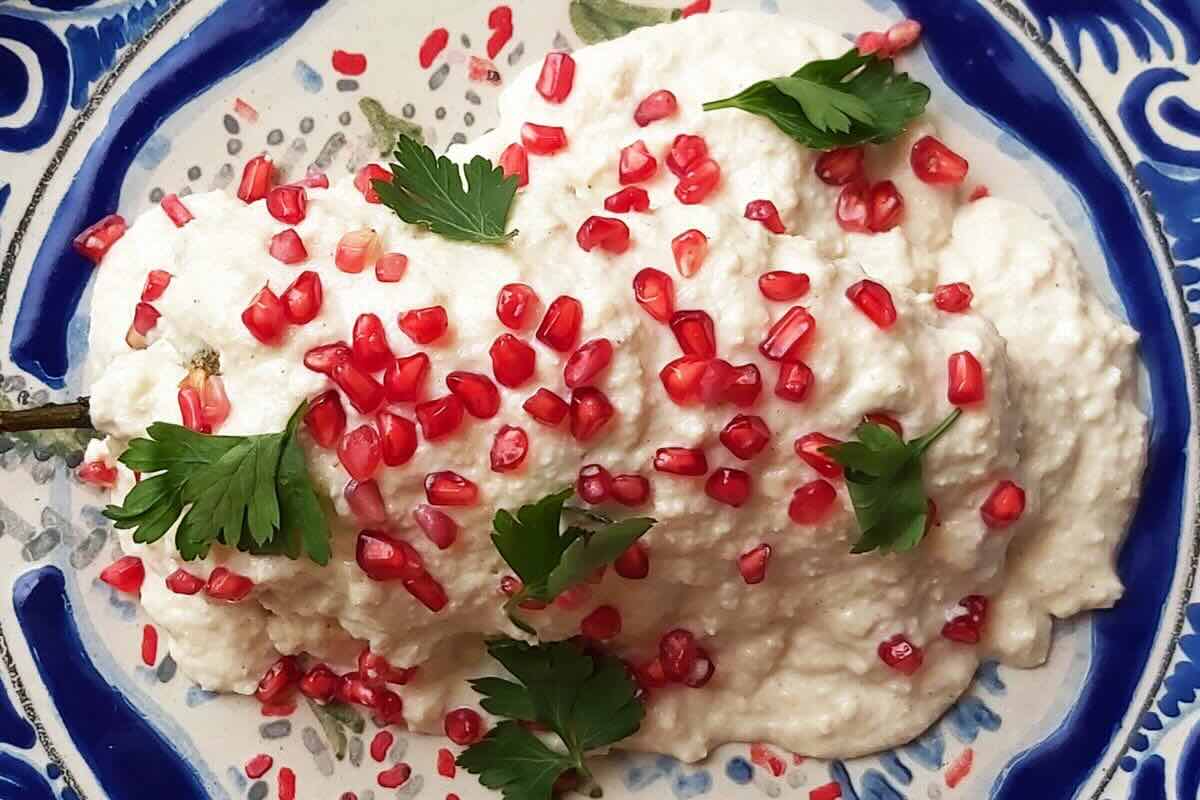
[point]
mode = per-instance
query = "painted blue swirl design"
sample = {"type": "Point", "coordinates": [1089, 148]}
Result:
{"type": "Point", "coordinates": [55, 70]}
{"type": "Point", "coordinates": [94, 48]}
{"type": "Point", "coordinates": [1101, 19]}
{"type": "Point", "coordinates": [109, 733]}
{"type": "Point", "coordinates": [15, 730]}
{"type": "Point", "coordinates": [20, 780]}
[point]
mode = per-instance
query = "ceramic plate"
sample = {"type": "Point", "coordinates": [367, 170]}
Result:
{"type": "Point", "coordinates": [108, 104]}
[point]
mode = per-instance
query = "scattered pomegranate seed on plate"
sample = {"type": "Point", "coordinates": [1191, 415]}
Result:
{"type": "Point", "coordinates": [560, 326]}
{"type": "Point", "coordinates": [812, 502]}
{"type": "Point", "coordinates": [695, 332]}
{"type": "Point", "coordinates": [365, 178]}
{"type": "Point", "coordinates": [441, 417]}
{"type": "Point", "coordinates": [608, 234]}
{"type": "Point", "coordinates": [513, 361]}
{"type": "Point", "coordinates": [366, 502]}
{"type": "Point", "coordinates": [288, 204]}
{"type": "Point", "coordinates": [478, 394]}
{"type": "Point", "coordinates": [655, 106]}
{"type": "Point", "coordinates": [602, 623]}
{"type": "Point", "coordinates": [634, 563]}
{"type": "Point", "coordinates": [728, 486]}
{"type": "Point", "coordinates": [686, 461]}
{"type": "Point", "coordinates": [700, 180]}
{"type": "Point", "coordinates": [98, 474]}
{"type": "Point", "coordinates": [631, 198]}
{"type": "Point", "coordinates": [954, 298]}
{"type": "Point", "coordinates": [630, 490]}
{"type": "Point", "coordinates": [358, 250]}
{"type": "Point", "coordinates": [546, 407]}
{"type": "Point", "coordinates": [515, 161]}
{"type": "Point", "coordinates": [655, 293]}
{"type": "Point", "coordinates": [765, 212]}
{"type": "Point", "coordinates": [390, 267]}
{"type": "Point", "coordinates": [397, 438]}
{"type": "Point", "coordinates": [224, 584]}
{"type": "Point", "coordinates": [543, 140]}
{"type": "Point", "coordinates": [594, 484]}
{"type": "Point", "coordinates": [287, 247]}
{"type": "Point", "coordinates": [438, 526]}
{"type": "Point", "coordinates": [424, 325]}
{"type": "Point", "coordinates": [516, 306]}
{"type": "Point", "coordinates": [745, 436]}
{"type": "Point", "coordinates": [589, 360]}
{"type": "Point", "coordinates": [753, 564]}
{"type": "Point", "coordinates": [126, 574]}
{"type": "Point", "coordinates": [94, 242]}
{"type": "Point", "coordinates": [463, 726]}
{"type": "Point", "coordinates": [302, 300]}
{"type": "Point", "coordinates": [325, 419]}
{"type": "Point", "coordinates": [885, 207]}
{"type": "Point", "coordinates": [405, 378]}
{"type": "Point", "coordinates": [841, 166]}
{"type": "Point", "coordinates": [509, 448]}
{"type": "Point", "coordinates": [874, 300]}
{"type": "Point", "coordinates": [782, 286]}
{"type": "Point", "coordinates": [590, 412]}
{"type": "Point", "coordinates": [636, 164]}
{"type": "Point", "coordinates": [450, 489]}
{"type": "Point", "coordinates": [901, 655]}
{"type": "Point", "coordinates": [933, 162]}
{"type": "Point", "coordinates": [809, 447]}
{"type": "Point", "coordinates": [265, 317]}
{"type": "Point", "coordinates": [967, 384]}
{"type": "Point", "coordinates": [795, 381]}
{"type": "Point", "coordinates": [175, 210]}
{"type": "Point", "coordinates": [257, 178]}
{"type": "Point", "coordinates": [1003, 506]}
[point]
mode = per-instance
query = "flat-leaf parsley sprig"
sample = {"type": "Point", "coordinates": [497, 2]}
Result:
{"type": "Point", "coordinates": [549, 560]}
{"type": "Point", "coordinates": [589, 701]}
{"type": "Point", "coordinates": [884, 477]}
{"type": "Point", "coordinates": [427, 190]}
{"type": "Point", "coordinates": [253, 493]}
{"type": "Point", "coordinates": [851, 100]}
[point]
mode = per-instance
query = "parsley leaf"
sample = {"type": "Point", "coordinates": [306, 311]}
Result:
{"type": "Point", "coordinates": [253, 493]}
{"type": "Point", "coordinates": [854, 99]}
{"type": "Point", "coordinates": [588, 701]}
{"type": "Point", "coordinates": [427, 190]}
{"type": "Point", "coordinates": [884, 478]}
{"type": "Point", "coordinates": [549, 560]}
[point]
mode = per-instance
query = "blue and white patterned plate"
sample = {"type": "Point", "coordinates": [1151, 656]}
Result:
{"type": "Point", "coordinates": [108, 104]}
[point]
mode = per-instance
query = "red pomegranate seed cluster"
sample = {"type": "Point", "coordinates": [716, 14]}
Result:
{"type": "Point", "coordinates": [680, 659]}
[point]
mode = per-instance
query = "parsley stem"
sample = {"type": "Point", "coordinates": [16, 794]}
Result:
{"type": "Point", "coordinates": [928, 439]}
{"type": "Point", "coordinates": [53, 416]}
{"type": "Point", "coordinates": [594, 516]}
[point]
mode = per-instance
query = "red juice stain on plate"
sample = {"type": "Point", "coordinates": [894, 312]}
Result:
{"type": "Point", "coordinates": [501, 24]}
{"type": "Point", "coordinates": [349, 63]}
{"type": "Point", "coordinates": [245, 110]}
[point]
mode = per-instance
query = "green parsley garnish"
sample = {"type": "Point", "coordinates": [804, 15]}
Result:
{"type": "Point", "coordinates": [427, 190]}
{"type": "Point", "coordinates": [249, 492]}
{"type": "Point", "coordinates": [588, 701]}
{"type": "Point", "coordinates": [548, 560]}
{"type": "Point", "coordinates": [841, 102]}
{"type": "Point", "coordinates": [883, 474]}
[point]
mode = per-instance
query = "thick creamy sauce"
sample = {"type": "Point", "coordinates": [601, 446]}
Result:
{"type": "Point", "coordinates": [796, 656]}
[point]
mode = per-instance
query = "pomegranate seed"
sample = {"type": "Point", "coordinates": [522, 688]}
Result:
{"type": "Point", "coordinates": [404, 379]}
{"type": "Point", "coordinates": [439, 418]}
{"type": "Point", "coordinates": [97, 473]}
{"type": "Point", "coordinates": [978, 193]}
{"type": "Point", "coordinates": [698, 182]}
{"type": "Point", "coordinates": [191, 410]}
{"type": "Point", "coordinates": [358, 250]}
{"type": "Point", "coordinates": [1003, 506]}
{"type": "Point", "coordinates": [478, 394]}
{"type": "Point", "coordinates": [853, 208]}
{"type": "Point", "coordinates": [560, 326]}
{"type": "Point", "coordinates": [935, 163]}
{"type": "Point", "coordinates": [326, 419]}
{"type": "Point", "coordinates": [360, 452]}
{"type": "Point", "coordinates": [745, 436]}
{"type": "Point", "coordinates": [509, 448]}
{"type": "Point", "coordinates": [157, 281]}
{"type": "Point", "coordinates": [634, 563]}
{"type": "Point", "coordinates": [320, 683]}
{"type": "Point", "coordinates": [257, 177]}
{"type": "Point", "coordinates": [901, 655]}
{"type": "Point", "coordinates": [631, 198]}
{"type": "Point", "coordinates": [650, 675]}
{"type": "Point", "coordinates": [426, 589]}
{"type": "Point", "coordinates": [681, 378]}
{"type": "Point", "coordinates": [510, 586]}
{"type": "Point", "coordinates": [183, 582]}
{"type": "Point", "coordinates": [543, 140]}
{"type": "Point", "coordinates": [809, 448]}
{"type": "Point", "coordinates": [655, 292]}
{"type": "Point", "coordinates": [145, 318]}
{"type": "Point", "coordinates": [795, 381]}
{"type": "Point", "coordinates": [690, 249]}
{"type": "Point", "coordinates": [438, 526]}
{"type": "Point", "coordinates": [380, 744]}
{"type": "Point", "coordinates": [383, 558]}
{"type": "Point", "coordinates": [630, 490]}
{"type": "Point", "coordinates": [366, 502]}
{"type": "Point", "coordinates": [686, 151]}
{"type": "Point", "coordinates": [464, 726]}
{"type": "Point", "coordinates": [303, 299]}
{"type": "Point", "coordinates": [175, 210]}
{"type": "Point", "coordinates": [287, 247]}
{"type": "Point", "coordinates": [589, 360]}
{"type": "Point", "coordinates": [875, 301]}
{"type": "Point", "coordinates": [746, 386]}
{"type": "Point", "coordinates": [680, 461]}
{"type": "Point", "coordinates": [954, 298]}
{"type": "Point", "coordinates": [593, 484]}
{"type": "Point", "coordinates": [966, 379]}
{"type": "Point", "coordinates": [93, 243]}
{"type": "Point", "coordinates": [610, 235]}
{"type": "Point", "coordinates": [728, 486]}
{"type": "Point", "coordinates": [445, 764]}
{"type": "Point", "coordinates": [677, 651]}
{"type": "Point", "coordinates": [288, 204]}
{"type": "Point", "coordinates": [590, 411]}
{"type": "Point", "coordinates": [515, 161]}
{"type": "Point", "coordinates": [886, 207]}
{"type": "Point", "coordinates": [277, 680]}
{"type": "Point", "coordinates": [424, 325]}
{"type": "Point", "coordinates": [787, 339]}
{"type": "Point", "coordinates": [546, 407]}
{"type": "Point", "coordinates": [967, 627]}
{"type": "Point", "coordinates": [781, 285]}
{"type": "Point", "coordinates": [886, 421]}
{"type": "Point", "coordinates": [364, 392]}
{"type": "Point", "coordinates": [753, 564]}
{"type": "Point", "coordinates": [226, 585]}
{"type": "Point", "coordinates": [832, 790]}
{"type": "Point", "coordinates": [557, 78]}
{"type": "Point", "coordinates": [603, 623]}
{"type": "Point", "coordinates": [353, 689]}
{"type": "Point", "coordinates": [390, 267]}
{"type": "Point", "coordinates": [364, 181]}
{"type": "Point", "coordinates": [287, 784]}
{"type": "Point", "coordinates": [214, 403]}
{"type": "Point", "coordinates": [434, 43]}
{"type": "Point", "coordinates": [715, 381]}
{"type": "Point", "coordinates": [315, 179]}
{"type": "Point", "coordinates": [656, 105]}
{"type": "Point", "coordinates": [869, 42]}
{"type": "Point", "coordinates": [126, 574]}
{"type": "Point", "coordinates": [902, 35]}
{"type": "Point", "coordinates": [324, 358]}
{"type": "Point", "coordinates": [450, 489]}
{"type": "Point", "coordinates": [369, 345]}
{"type": "Point", "coordinates": [636, 164]}
{"type": "Point", "coordinates": [841, 166]}
{"type": "Point", "coordinates": [764, 211]}
{"type": "Point", "coordinates": [398, 438]}
{"type": "Point", "coordinates": [811, 502]}
{"type": "Point", "coordinates": [695, 333]}
{"type": "Point", "coordinates": [515, 306]}
{"type": "Point", "coordinates": [695, 7]}
{"type": "Point", "coordinates": [265, 317]}
{"type": "Point", "coordinates": [375, 670]}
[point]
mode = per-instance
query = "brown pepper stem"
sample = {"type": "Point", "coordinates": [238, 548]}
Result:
{"type": "Point", "coordinates": [53, 416]}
